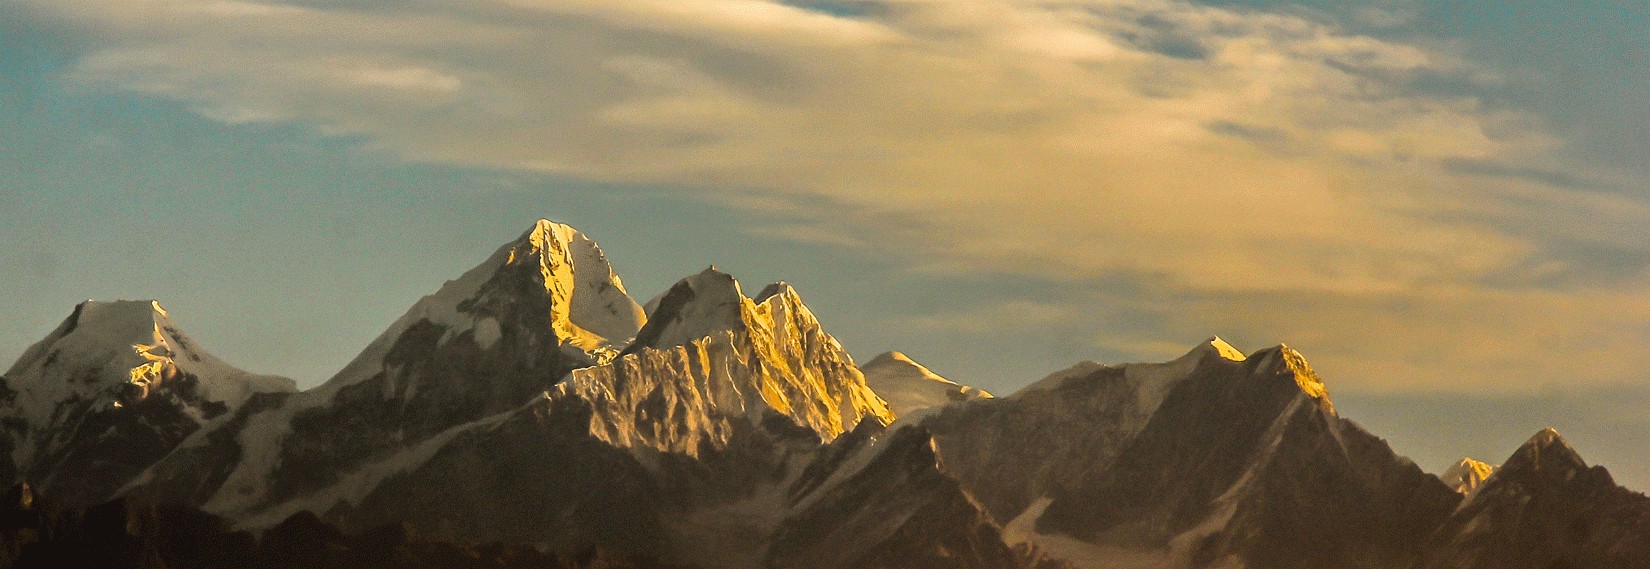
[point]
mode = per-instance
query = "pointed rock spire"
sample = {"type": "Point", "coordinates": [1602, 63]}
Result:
{"type": "Point", "coordinates": [550, 286]}
{"type": "Point", "coordinates": [500, 335]}
{"type": "Point", "coordinates": [589, 306]}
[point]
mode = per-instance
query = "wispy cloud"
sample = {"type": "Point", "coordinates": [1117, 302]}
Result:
{"type": "Point", "coordinates": [1279, 174]}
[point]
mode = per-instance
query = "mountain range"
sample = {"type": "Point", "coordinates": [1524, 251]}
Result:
{"type": "Point", "coordinates": [532, 404]}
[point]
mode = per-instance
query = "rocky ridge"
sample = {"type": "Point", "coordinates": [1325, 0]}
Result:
{"type": "Point", "coordinates": [504, 332]}
{"type": "Point", "coordinates": [1212, 460]}
{"type": "Point", "coordinates": [533, 402]}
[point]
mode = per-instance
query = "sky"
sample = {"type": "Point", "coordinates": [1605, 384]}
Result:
{"type": "Point", "coordinates": [1441, 203]}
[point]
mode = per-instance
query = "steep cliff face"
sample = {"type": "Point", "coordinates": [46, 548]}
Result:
{"type": "Point", "coordinates": [484, 344]}
{"type": "Point", "coordinates": [1545, 509]}
{"type": "Point", "coordinates": [116, 387]}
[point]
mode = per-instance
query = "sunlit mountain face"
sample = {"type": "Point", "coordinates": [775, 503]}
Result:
{"type": "Point", "coordinates": [894, 274]}
{"type": "Point", "coordinates": [530, 413]}
{"type": "Point", "coordinates": [1441, 202]}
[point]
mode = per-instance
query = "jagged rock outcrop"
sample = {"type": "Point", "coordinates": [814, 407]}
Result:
{"type": "Point", "coordinates": [909, 387]}
{"type": "Point", "coordinates": [113, 389]}
{"type": "Point", "coordinates": [1545, 509]}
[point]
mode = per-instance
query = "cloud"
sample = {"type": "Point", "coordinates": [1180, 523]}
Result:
{"type": "Point", "coordinates": [1275, 173]}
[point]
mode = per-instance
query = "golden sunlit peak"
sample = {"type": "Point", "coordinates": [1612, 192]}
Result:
{"type": "Point", "coordinates": [546, 232]}
{"type": "Point", "coordinates": [545, 238]}
{"type": "Point", "coordinates": [1226, 350]}
{"type": "Point", "coordinates": [1545, 437]}
{"type": "Point", "coordinates": [158, 309]}
{"type": "Point", "coordinates": [1304, 376]}
{"type": "Point", "coordinates": [1467, 475]}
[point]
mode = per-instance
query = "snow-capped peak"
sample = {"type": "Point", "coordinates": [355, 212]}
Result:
{"type": "Point", "coordinates": [112, 389]}
{"type": "Point", "coordinates": [120, 352]}
{"type": "Point", "coordinates": [551, 267]}
{"type": "Point", "coordinates": [1226, 350]}
{"type": "Point", "coordinates": [712, 355]}
{"type": "Point", "coordinates": [1304, 376]}
{"type": "Point", "coordinates": [591, 305]}
{"type": "Point", "coordinates": [695, 307]}
{"type": "Point", "coordinates": [1283, 359]}
{"type": "Point", "coordinates": [1547, 437]}
{"type": "Point", "coordinates": [908, 386]}
{"type": "Point", "coordinates": [1466, 476]}
{"type": "Point", "coordinates": [900, 360]}
{"type": "Point", "coordinates": [1545, 451]}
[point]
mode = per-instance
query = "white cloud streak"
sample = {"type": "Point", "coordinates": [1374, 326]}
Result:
{"type": "Point", "coordinates": [1268, 172]}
